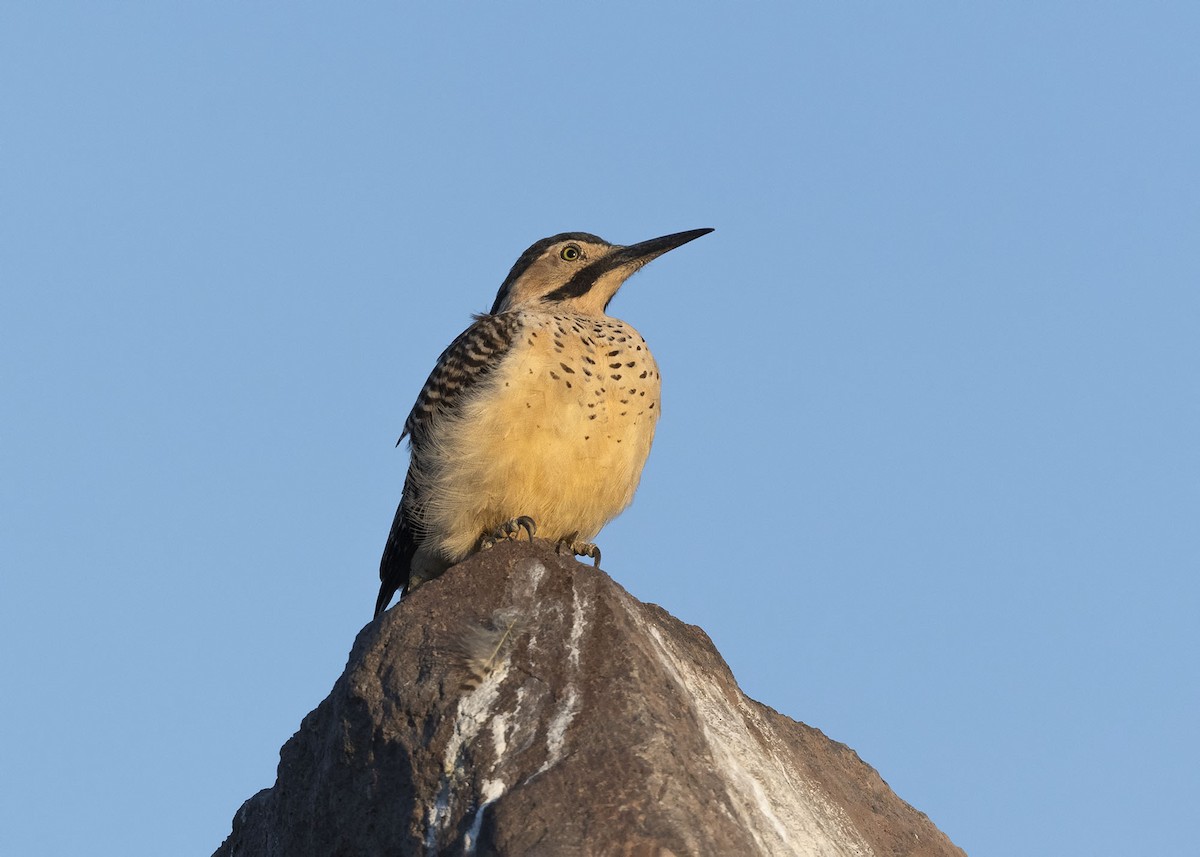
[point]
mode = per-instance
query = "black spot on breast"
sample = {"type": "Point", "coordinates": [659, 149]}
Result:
{"type": "Point", "coordinates": [567, 368]}
{"type": "Point", "coordinates": [631, 364]}
{"type": "Point", "coordinates": [554, 375]}
{"type": "Point", "coordinates": [614, 353]}
{"type": "Point", "coordinates": [614, 365]}
{"type": "Point", "coordinates": [615, 377]}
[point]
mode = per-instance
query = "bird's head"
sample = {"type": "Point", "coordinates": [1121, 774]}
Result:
{"type": "Point", "coordinates": [578, 271]}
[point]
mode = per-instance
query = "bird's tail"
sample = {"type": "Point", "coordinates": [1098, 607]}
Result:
{"type": "Point", "coordinates": [395, 567]}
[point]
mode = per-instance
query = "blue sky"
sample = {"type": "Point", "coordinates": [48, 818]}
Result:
{"type": "Point", "coordinates": [927, 471]}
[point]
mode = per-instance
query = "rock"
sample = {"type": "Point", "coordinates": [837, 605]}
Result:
{"type": "Point", "coordinates": [525, 704]}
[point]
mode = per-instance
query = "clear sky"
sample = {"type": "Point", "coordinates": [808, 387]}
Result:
{"type": "Point", "coordinates": [928, 470]}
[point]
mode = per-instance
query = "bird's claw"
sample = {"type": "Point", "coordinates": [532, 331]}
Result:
{"type": "Point", "coordinates": [580, 549]}
{"type": "Point", "coordinates": [509, 530]}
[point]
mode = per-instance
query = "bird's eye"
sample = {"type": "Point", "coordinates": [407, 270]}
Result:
{"type": "Point", "coordinates": [570, 253]}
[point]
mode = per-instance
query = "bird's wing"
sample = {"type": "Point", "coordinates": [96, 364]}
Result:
{"type": "Point", "coordinates": [467, 361]}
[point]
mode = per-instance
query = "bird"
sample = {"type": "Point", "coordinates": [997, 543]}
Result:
{"type": "Point", "coordinates": [537, 419]}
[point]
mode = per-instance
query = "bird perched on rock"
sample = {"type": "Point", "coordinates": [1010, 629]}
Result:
{"type": "Point", "coordinates": [537, 418]}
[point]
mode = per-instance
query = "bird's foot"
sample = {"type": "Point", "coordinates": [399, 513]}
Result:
{"type": "Point", "coordinates": [509, 530]}
{"type": "Point", "coordinates": [574, 548]}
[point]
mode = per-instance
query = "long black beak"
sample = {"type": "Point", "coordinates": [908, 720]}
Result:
{"type": "Point", "coordinates": [644, 251]}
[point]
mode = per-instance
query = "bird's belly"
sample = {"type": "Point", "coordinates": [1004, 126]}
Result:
{"type": "Point", "coordinates": [549, 441]}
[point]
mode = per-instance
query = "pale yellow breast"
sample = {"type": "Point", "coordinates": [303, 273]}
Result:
{"type": "Point", "coordinates": [561, 435]}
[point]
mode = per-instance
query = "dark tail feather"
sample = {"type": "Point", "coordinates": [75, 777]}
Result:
{"type": "Point", "coordinates": [396, 564]}
{"type": "Point", "coordinates": [386, 590]}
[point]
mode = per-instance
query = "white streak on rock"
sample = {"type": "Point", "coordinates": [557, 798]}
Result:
{"type": "Point", "coordinates": [579, 607]}
{"type": "Point", "coordinates": [783, 812]}
{"type": "Point", "coordinates": [556, 730]}
{"type": "Point", "coordinates": [536, 572]}
{"type": "Point", "coordinates": [523, 589]}
{"type": "Point", "coordinates": [500, 735]}
{"type": "Point", "coordinates": [491, 792]}
{"type": "Point", "coordinates": [474, 710]}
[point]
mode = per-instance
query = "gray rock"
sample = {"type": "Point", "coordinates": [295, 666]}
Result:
{"type": "Point", "coordinates": [525, 704]}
